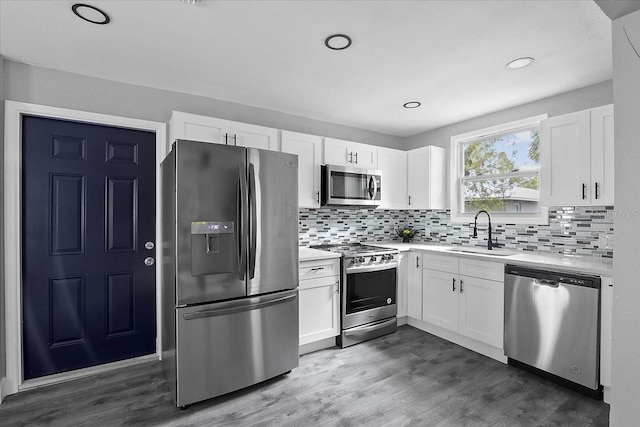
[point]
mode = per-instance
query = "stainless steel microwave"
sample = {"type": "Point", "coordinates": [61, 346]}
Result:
{"type": "Point", "coordinates": [346, 186]}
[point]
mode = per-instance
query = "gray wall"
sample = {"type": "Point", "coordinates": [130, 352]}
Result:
{"type": "Point", "coordinates": [626, 291]}
{"type": "Point", "coordinates": [3, 356]}
{"type": "Point", "coordinates": [575, 100]}
{"type": "Point", "coordinates": [44, 86]}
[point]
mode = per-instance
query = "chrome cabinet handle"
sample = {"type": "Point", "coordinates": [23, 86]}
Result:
{"type": "Point", "coordinates": [409, 200]}
{"type": "Point", "coordinates": [597, 190]}
{"type": "Point", "coordinates": [350, 157]}
{"type": "Point", "coordinates": [454, 284]}
{"type": "Point", "coordinates": [356, 158]}
{"type": "Point", "coordinates": [461, 283]}
{"type": "Point", "coordinates": [235, 139]}
{"type": "Point", "coordinates": [318, 196]}
{"type": "Point", "coordinates": [226, 138]}
{"type": "Point", "coordinates": [317, 268]}
{"type": "Point", "coordinates": [584, 189]}
{"type": "Point", "coordinates": [417, 262]}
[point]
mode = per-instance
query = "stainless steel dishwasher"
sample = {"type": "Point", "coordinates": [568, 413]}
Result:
{"type": "Point", "coordinates": [552, 324]}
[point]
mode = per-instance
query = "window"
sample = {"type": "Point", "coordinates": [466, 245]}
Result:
{"type": "Point", "coordinates": [497, 170]}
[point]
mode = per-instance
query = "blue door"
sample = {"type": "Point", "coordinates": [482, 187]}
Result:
{"type": "Point", "coordinates": [88, 224]}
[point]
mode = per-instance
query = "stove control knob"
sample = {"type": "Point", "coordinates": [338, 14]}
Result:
{"type": "Point", "coordinates": [373, 259]}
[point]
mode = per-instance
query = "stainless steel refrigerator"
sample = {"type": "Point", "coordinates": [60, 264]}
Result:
{"type": "Point", "coordinates": [229, 268]}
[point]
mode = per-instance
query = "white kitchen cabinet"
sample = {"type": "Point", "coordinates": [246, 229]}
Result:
{"type": "Point", "coordinates": [210, 129]}
{"type": "Point", "coordinates": [576, 158]}
{"type": "Point", "coordinates": [254, 136]}
{"type": "Point", "coordinates": [426, 178]}
{"type": "Point", "coordinates": [198, 128]}
{"type": "Point", "coordinates": [319, 300]}
{"type": "Point", "coordinates": [347, 153]}
{"type": "Point", "coordinates": [470, 304]}
{"type": "Point", "coordinates": [393, 165]}
{"type": "Point", "coordinates": [309, 151]}
{"type": "Point", "coordinates": [414, 285]}
{"type": "Point", "coordinates": [401, 299]}
{"type": "Point", "coordinates": [606, 313]}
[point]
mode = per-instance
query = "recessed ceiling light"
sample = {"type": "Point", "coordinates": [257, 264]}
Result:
{"type": "Point", "coordinates": [90, 14]}
{"type": "Point", "coordinates": [520, 62]}
{"type": "Point", "coordinates": [338, 41]}
{"type": "Point", "coordinates": [412, 104]}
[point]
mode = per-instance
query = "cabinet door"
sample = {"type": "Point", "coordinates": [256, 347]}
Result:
{"type": "Point", "coordinates": [440, 299]}
{"type": "Point", "coordinates": [319, 309]}
{"type": "Point", "coordinates": [602, 155]}
{"type": "Point", "coordinates": [606, 312]}
{"type": "Point", "coordinates": [401, 298]}
{"type": "Point", "coordinates": [393, 164]}
{"type": "Point", "coordinates": [426, 180]}
{"type": "Point", "coordinates": [198, 128]}
{"type": "Point", "coordinates": [253, 136]}
{"type": "Point", "coordinates": [366, 156]}
{"type": "Point", "coordinates": [414, 285]}
{"type": "Point", "coordinates": [565, 160]}
{"type": "Point", "coordinates": [481, 310]}
{"type": "Point", "coordinates": [309, 151]}
{"type": "Point", "coordinates": [347, 153]}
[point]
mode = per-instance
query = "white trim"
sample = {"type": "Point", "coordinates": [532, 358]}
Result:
{"type": "Point", "coordinates": [12, 214]}
{"type": "Point", "coordinates": [455, 201]}
{"type": "Point", "coordinates": [3, 389]}
{"type": "Point", "coordinates": [84, 372]}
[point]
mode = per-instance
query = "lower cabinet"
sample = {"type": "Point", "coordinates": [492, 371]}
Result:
{"type": "Point", "coordinates": [459, 299]}
{"type": "Point", "coordinates": [401, 299]}
{"type": "Point", "coordinates": [606, 312]}
{"type": "Point", "coordinates": [319, 300]}
{"type": "Point", "coordinates": [414, 285]}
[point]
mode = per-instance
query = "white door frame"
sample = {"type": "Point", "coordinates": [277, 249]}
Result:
{"type": "Point", "coordinates": [13, 214]}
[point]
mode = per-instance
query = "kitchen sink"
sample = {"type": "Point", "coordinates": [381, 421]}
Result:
{"type": "Point", "coordinates": [479, 251]}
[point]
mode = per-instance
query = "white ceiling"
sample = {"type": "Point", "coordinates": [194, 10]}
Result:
{"type": "Point", "coordinates": [449, 55]}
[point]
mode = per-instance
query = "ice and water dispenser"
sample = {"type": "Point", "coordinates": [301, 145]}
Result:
{"type": "Point", "coordinates": [213, 248]}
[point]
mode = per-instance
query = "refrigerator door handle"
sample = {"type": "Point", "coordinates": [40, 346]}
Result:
{"type": "Point", "coordinates": [242, 221]}
{"type": "Point", "coordinates": [253, 218]}
{"type": "Point", "coordinates": [237, 309]}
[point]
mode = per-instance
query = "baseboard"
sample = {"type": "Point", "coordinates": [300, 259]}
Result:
{"type": "Point", "coordinates": [84, 372]}
{"type": "Point", "coordinates": [606, 395]}
{"type": "Point", "coordinates": [317, 345]}
{"type": "Point", "coordinates": [3, 389]}
{"type": "Point", "coordinates": [402, 320]}
{"type": "Point", "coordinates": [471, 344]}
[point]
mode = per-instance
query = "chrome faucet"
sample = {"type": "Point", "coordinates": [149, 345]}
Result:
{"type": "Point", "coordinates": [490, 244]}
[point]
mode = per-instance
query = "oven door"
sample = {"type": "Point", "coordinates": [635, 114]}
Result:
{"type": "Point", "coordinates": [368, 294]}
{"type": "Point", "coordinates": [350, 186]}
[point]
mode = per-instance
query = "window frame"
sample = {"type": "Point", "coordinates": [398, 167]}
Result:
{"type": "Point", "coordinates": [456, 169]}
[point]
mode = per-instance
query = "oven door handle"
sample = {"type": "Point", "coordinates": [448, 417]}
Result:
{"type": "Point", "coordinates": [370, 268]}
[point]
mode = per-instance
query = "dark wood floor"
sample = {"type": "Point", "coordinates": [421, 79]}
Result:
{"type": "Point", "coordinates": [407, 378]}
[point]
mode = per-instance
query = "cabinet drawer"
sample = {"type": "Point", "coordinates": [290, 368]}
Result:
{"type": "Point", "coordinates": [482, 269]}
{"type": "Point", "coordinates": [319, 268]}
{"type": "Point", "coordinates": [448, 263]}
{"type": "Point", "coordinates": [321, 282]}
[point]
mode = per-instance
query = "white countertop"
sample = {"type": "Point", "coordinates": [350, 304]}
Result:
{"type": "Point", "coordinates": [575, 263]}
{"type": "Point", "coordinates": [308, 254]}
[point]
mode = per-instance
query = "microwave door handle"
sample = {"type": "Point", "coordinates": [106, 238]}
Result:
{"type": "Point", "coordinates": [373, 193]}
{"type": "Point", "coordinates": [253, 218]}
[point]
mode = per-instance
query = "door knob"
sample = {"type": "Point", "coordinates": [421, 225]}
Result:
{"type": "Point", "coordinates": [149, 261]}
{"type": "Point", "coordinates": [149, 245]}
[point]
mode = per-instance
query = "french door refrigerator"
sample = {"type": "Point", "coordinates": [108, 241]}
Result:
{"type": "Point", "coordinates": [229, 268]}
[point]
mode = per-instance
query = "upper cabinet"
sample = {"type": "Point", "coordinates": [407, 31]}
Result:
{"type": "Point", "coordinates": [427, 181]}
{"type": "Point", "coordinates": [210, 129]}
{"type": "Point", "coordinates": [393, 165]}
{"type": "Point", "coordinates": [347, 153]}
{"type": "Point", "coordinates": [309, 151]}
{"type": "Point", "coordinates": [576, 158]}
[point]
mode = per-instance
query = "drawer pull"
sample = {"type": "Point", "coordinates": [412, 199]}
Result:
{"type": "Point", "coordinates": [317, 268]}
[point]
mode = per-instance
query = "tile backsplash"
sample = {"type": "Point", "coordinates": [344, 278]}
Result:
{"type": "Point", "coordinates": [571, 230]}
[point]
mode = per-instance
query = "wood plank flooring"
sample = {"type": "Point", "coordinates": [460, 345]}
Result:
{"type": "Point", "coordinates": [407, 378]}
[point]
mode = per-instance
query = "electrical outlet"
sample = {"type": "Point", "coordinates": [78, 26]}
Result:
{"type": "Point", "coordinates": [605, 241]}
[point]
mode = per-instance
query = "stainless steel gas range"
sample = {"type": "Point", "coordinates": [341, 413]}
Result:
{"type": "Point", "coordinates": [369, 289]}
